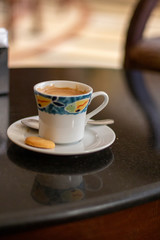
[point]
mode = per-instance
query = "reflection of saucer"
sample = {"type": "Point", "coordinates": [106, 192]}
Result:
{"type": "Point", "coordinates": [68, 165]}
{"type": "Point", "coordinates": [96, 138]}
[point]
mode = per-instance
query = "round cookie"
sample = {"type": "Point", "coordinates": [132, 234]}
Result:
{"type": "Point", "coordinates": [39, 142]}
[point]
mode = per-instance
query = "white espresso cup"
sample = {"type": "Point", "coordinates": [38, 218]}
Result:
{"type": "Point", "coordinates": [62, 116]}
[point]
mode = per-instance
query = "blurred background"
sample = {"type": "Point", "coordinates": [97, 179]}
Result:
{"type": "Point", "coordinates": [69, 32]}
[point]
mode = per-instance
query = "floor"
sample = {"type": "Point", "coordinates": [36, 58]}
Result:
{"type": "Point", "coordinates": [79, 33]}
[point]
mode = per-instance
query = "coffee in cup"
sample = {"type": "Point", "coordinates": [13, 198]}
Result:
{"type": "Point", "coordinates": [52, 90]}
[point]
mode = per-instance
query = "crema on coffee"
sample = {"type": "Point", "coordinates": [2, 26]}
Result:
{"type": "Point", "coordinates": [58, 91]}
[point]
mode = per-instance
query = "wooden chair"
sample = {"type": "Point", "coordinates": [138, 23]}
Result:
{"type": "Point", "coordinates": [140, 52]}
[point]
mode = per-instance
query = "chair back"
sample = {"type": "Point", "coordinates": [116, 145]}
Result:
{"type": "Point", "coordinates": [139, 19]}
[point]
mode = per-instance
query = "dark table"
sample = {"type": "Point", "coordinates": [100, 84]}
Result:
{"type": "Point", "coordinates": [121, 184]}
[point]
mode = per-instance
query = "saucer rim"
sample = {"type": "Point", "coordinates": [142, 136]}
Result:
{"type": "Point", "coordinates": [53, 151]}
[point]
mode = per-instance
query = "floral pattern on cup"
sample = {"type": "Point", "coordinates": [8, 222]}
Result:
{"type": "Point", "coordinates": [62, 105]}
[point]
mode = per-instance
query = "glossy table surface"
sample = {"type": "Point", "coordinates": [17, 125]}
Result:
{"type": "Point", "coordinates": [125, 174]}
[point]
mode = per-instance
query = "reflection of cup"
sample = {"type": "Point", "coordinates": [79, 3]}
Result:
{"type": "Point", "coordinates": [62, 118]}
{"type": "Point", "coordinates": [51, 189]}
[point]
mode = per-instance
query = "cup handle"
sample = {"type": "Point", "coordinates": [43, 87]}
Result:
{"type": "Point", "coordinates": [99, 108]}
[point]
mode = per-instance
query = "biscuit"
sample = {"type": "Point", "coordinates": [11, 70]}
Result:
{"type": "Point", "coordinates": [39, 142]}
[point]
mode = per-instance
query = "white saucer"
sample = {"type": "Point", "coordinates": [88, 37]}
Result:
{"type": "Point", "coordinates": [96, 138]}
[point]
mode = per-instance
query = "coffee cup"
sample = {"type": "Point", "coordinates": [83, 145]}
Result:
{"type": "Point", "coordinates": [62, 109]}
